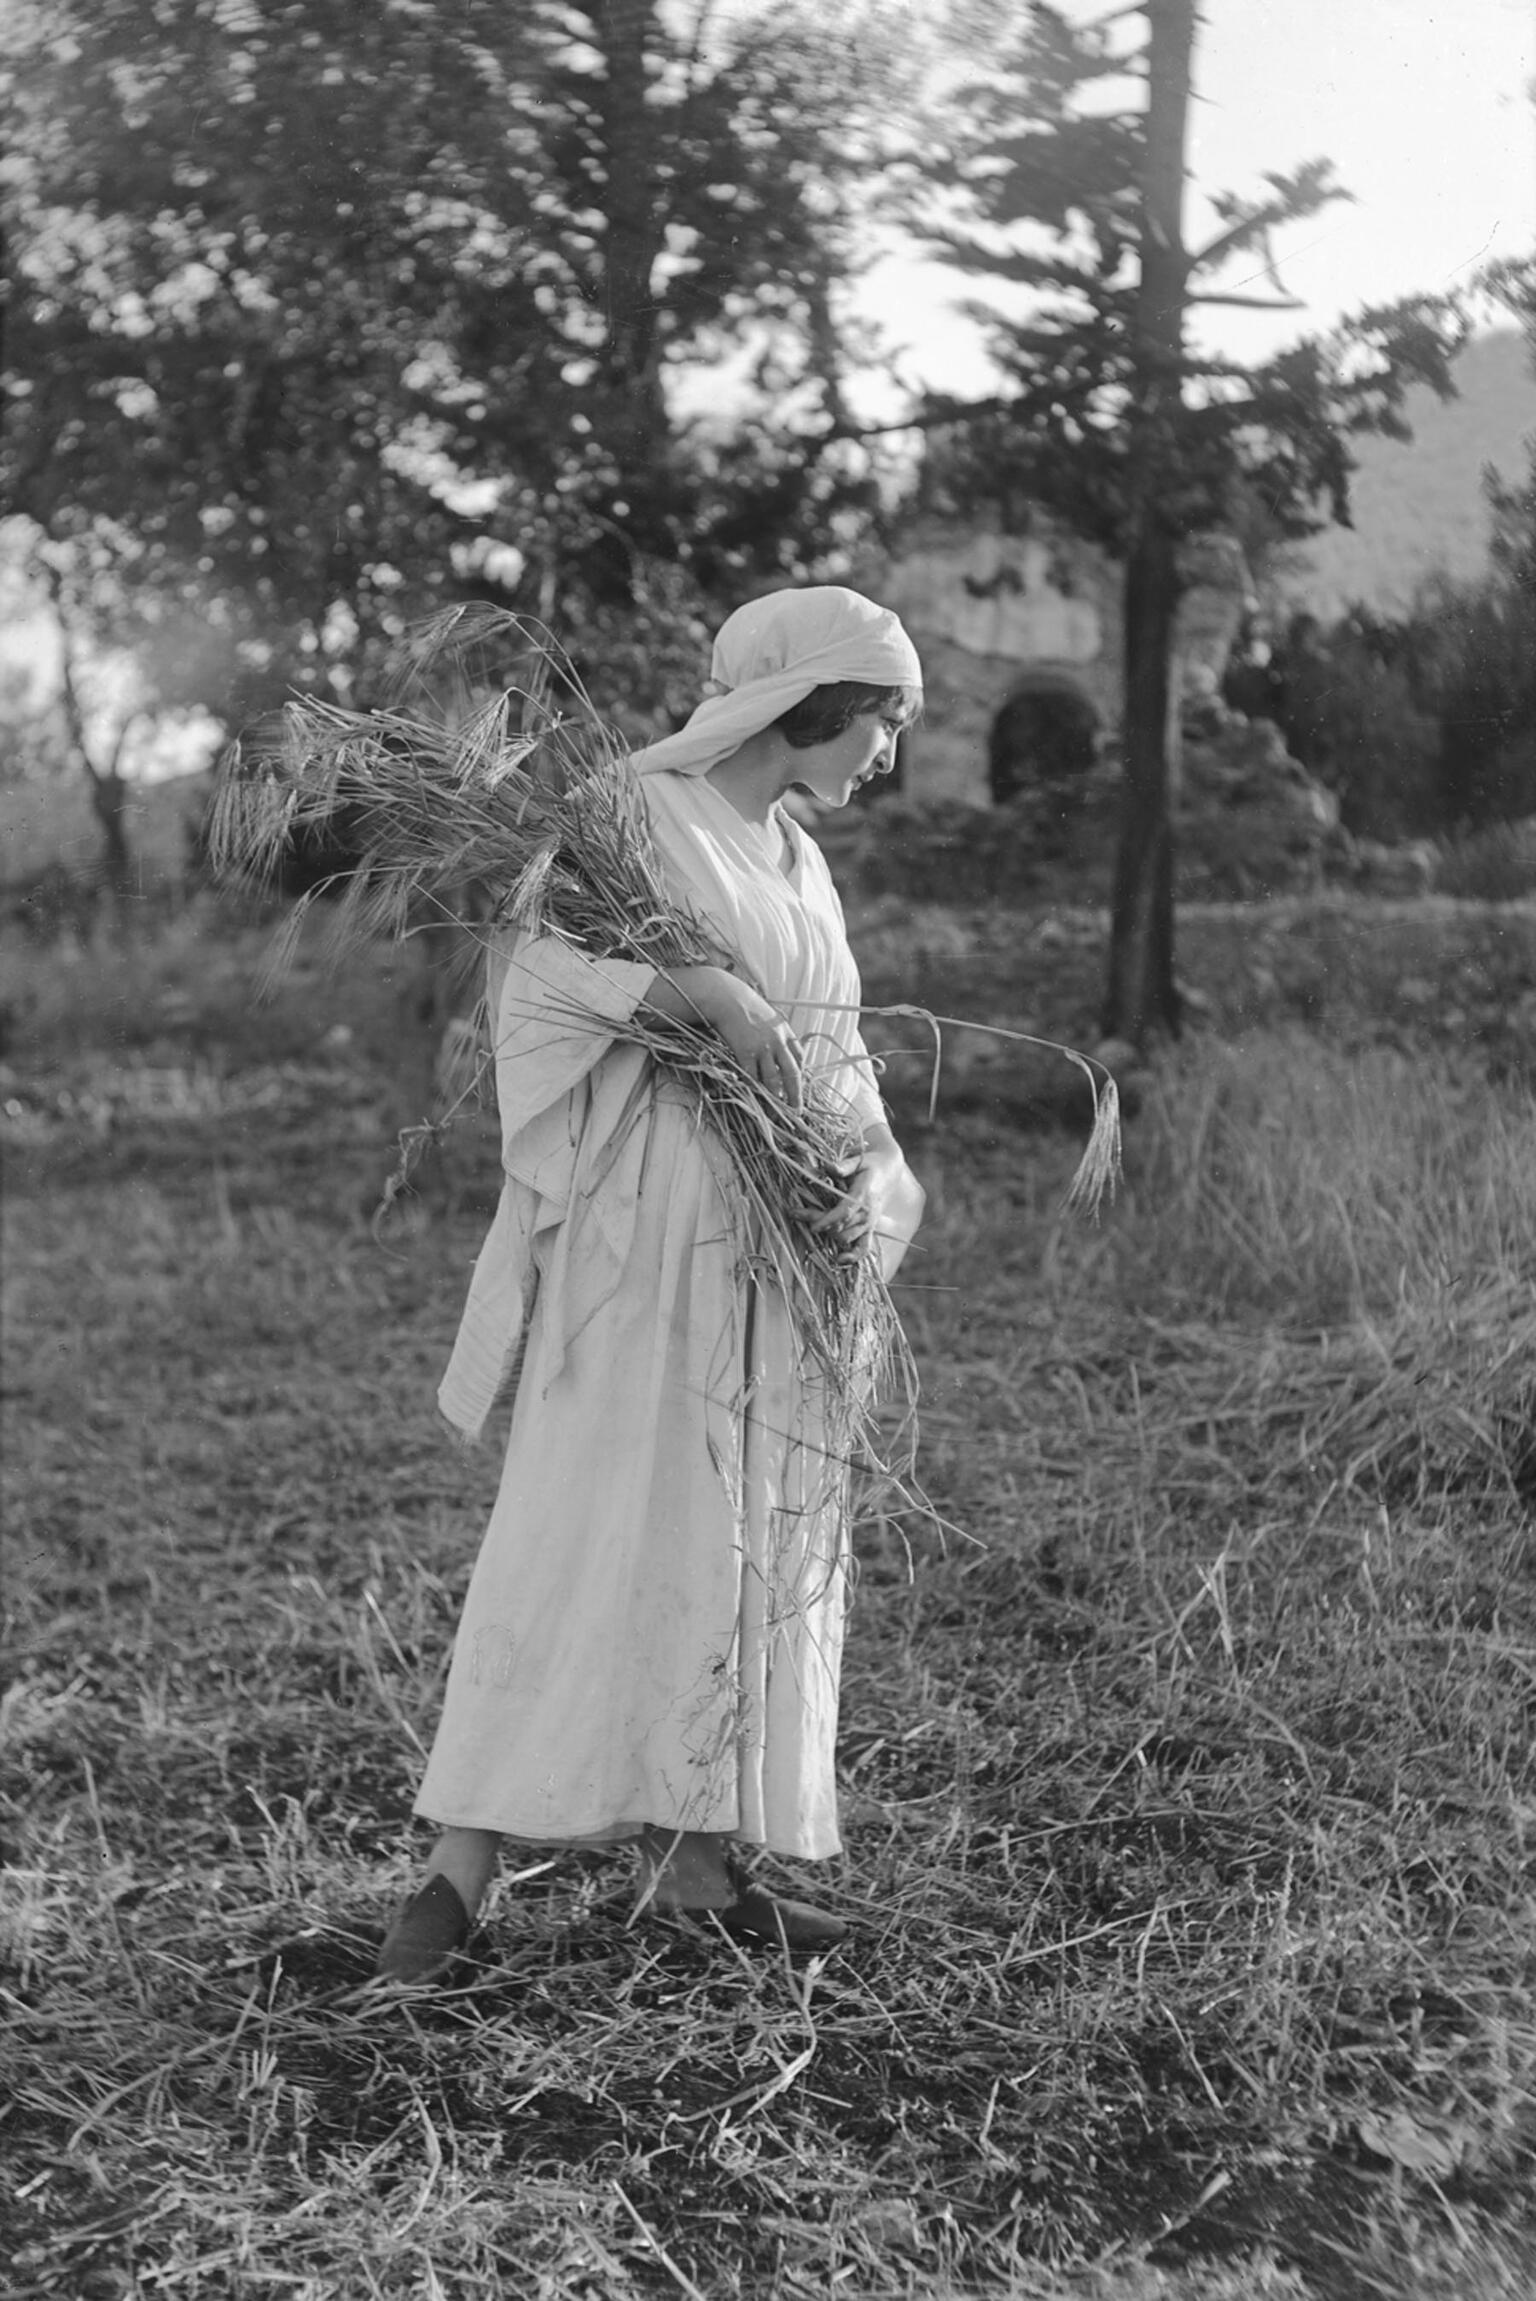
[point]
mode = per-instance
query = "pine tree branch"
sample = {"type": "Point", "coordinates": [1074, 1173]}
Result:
{"type": "Point", "coordinates": [1294, 198]}
{"type": "Point", "coordinates": [1032, 272]}
{"type": "Point", "coordinates": [928, 419]}
{"type": "Point", "coordinates": [1252, 303]}
{"type": "Point", "coordinates": [1115, 16]}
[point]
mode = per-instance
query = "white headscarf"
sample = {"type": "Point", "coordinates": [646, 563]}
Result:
{"type": "Point", "coordinates": [768, 657]}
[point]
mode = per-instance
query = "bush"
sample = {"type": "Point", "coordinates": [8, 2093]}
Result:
{"type": "Point", "coordinates": [1347, 704]}
{"type": "Point", "coordinates": [1487, 681]}
{"type": "Point", "coordinates": [1246, 854]}
{"type": "Point", "coordinates": [1241, 833]}
{"type": "Point", "coordinates": [951, 851]}
{"type": "Point", "coordinates": [1496, 864]}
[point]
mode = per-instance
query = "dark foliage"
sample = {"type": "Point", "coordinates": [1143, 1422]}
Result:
{"type": "Point", "coordinates": [1426, 723]}
{"type": "Point", "coordinates": [323, 315]}
{"type": "Point", "coordinates": [1353, 712]}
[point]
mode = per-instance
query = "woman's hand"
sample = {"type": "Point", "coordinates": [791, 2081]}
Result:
{"type": "Point", "coordinates": [850, 1222]}
{"type": "Point", "coordinates": [878, 1180]}
{"type": "Point", "coordinates": [755, 1031]}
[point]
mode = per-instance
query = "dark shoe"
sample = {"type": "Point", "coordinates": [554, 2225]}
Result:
{"type": "Point", "coordinates": [427, 1935]}
{"type": "Point", "coordinates": [764, 1918]}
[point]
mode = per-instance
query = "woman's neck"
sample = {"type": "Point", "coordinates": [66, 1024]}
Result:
{"type": "Point", "coordinates": [754, 778]}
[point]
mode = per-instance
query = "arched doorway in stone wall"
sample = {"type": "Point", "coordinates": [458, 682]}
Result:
{"type": "Point", "coordinates": [1045, 736]}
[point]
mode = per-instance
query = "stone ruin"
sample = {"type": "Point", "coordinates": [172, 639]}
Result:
{"type": "Point", "coordinates": [1019, 640]}
{"type": "Point", "coordinates": [1021, 637]}
{"type": "Point", "coordinates": [1020, 632]}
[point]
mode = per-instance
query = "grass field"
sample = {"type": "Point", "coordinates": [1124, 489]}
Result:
{"type": "Point", "coordinates": [1188, 1786]}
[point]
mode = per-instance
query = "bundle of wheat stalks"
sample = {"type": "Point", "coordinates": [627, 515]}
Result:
{"type": "Point", "coordinates": [529, 794]}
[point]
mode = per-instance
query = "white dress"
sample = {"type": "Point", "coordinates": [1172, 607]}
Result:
{"type": "Point", "coordinates": [653, 1630]}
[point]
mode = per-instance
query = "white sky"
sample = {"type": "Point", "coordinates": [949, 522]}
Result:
{"type": "Point", "coordinates": [1425, 108]}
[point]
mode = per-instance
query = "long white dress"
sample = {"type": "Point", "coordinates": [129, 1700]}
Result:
{"type": "Point", "coordinates": [654, 1626]}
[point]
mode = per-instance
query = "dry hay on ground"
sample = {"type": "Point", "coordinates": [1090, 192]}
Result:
{"type": "Point", "coordinates": [1188, 1782]}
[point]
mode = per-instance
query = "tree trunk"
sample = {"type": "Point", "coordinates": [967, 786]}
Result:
{"type": "Point", "coordinates": [1141, 1001]}
{"type": "Point", "coordinates": [632, 237]}
{"type": "Point", "coordinates": [108, 790]}
{"type": "Point", "coordinates": [109, 802]}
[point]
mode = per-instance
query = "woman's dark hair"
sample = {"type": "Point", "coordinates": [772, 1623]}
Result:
{"type": "Point", "coordinates": [827, 711]}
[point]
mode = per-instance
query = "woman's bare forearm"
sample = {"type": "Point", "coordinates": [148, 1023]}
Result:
{"type": "Point", "coordinates": [753, 1029]}
{"type": "Point", "coordinates": [686, 994]}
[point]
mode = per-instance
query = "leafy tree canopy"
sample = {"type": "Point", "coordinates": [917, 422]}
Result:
{"type": "Point", "coordinates": [320, 311]}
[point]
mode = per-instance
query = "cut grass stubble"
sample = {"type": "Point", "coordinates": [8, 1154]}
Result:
{"type": "Point", "coordinates": [1187, 1806]}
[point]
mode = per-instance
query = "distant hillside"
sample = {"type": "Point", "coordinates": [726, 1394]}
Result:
{"type": "Point", "coordinates": [1418, 504]}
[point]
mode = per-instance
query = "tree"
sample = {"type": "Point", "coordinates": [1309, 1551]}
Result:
{"type": "Point", "coordinates": [1142, 994]}
{"type": "Point", "coordinates": [322, 313]}
{"type": "Point", "coordinates": [1488, 712]}
{"type": "Point", "coordinates": [1473, 645]}
{"type": "Point", "coordinates": [1107, 418]}
{"type": "Point", "coordinates": [102, 768]}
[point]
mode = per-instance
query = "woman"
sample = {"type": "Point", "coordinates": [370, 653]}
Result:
{"type": "Point", "coordinates": [651, 1640]}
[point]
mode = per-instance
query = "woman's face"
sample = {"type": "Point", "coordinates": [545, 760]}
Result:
{"type": "Point", "coordinates": [831, 772]}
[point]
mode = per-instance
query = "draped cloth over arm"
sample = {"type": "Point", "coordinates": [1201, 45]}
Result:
{"type": "Point", "coordinates": [549, 1005]}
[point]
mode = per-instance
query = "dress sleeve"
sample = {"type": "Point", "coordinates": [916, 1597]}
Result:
{"type": "Point", "coordinates": [555, 1012]}
{"type": "Point", "coordinates": [858, 1082]}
